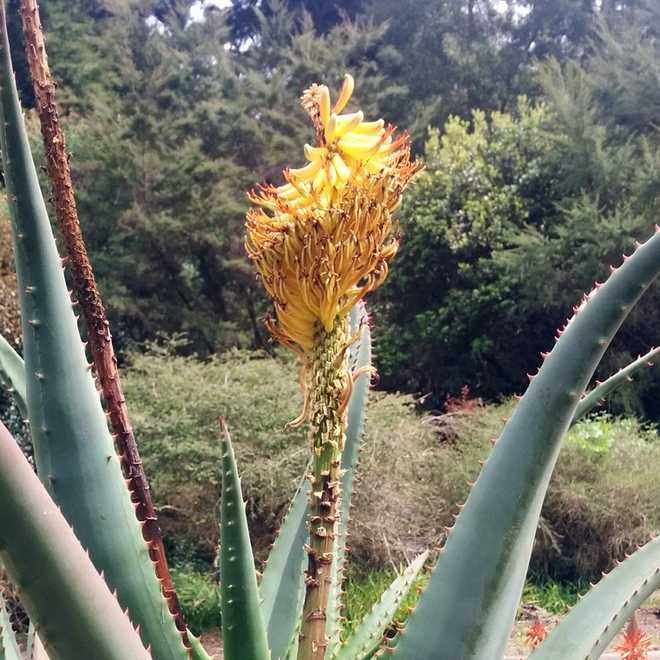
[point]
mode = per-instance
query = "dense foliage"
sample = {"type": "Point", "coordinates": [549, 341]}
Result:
{"type": "Point", "coordinates": [537, 121]}
{"type": "Point", "coordinates": [586, 524]}
{"type": "Point", "coordinates": [172, 115]}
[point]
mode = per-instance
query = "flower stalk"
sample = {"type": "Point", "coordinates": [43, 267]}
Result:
{"type": "Point", "coordinates": [329, 389]}
{"type": "Point", "coordinates": [321, 242]}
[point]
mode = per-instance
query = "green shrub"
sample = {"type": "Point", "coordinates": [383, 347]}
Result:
{"type": "Point", "coordinates": [603, 500]}
{"type": "Point", "coordinates": [175, 403]}
{"type": "Point", "coordinates": [199, 598]}
{"type": "Point", "coordinates": [604, 496]}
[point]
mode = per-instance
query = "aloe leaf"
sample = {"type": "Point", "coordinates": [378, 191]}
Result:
{"type": "Point", "coordinates": [359, 358]}
{"type": "Point", "coordinates": [470, 603]}
{"type": "Point", "coordinates": [592, 398]}
{"type": "Point", "coordinates": [586, 631]}
{"type": "Point", "coordinates": [368, 636]}
{"type": "Point", "coordinates": [12, 374]}
{"type": "Point", "coordinates": [31, 638]}
{"type": "Point", "coordinates": [8, 645]}
{"type": "Point", "coordinates": [243, 630]}
{"type": "Point", "coordinates": [35, 648]}
{"type": "Point", "coordinates": [292, 649]}
{"type": "Point", "coordinates": [198, 652]}
{"type": "Point", "coordinates": [282, 579]}
{"type": "Point", "coordinates": [71, 605]}
{"type": "Point", "coordinates": [74, 451]}
{"type": "Point", "coordinates": [280, 586]}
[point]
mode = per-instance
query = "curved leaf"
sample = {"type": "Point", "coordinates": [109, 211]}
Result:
{"type": "Point", "coordinates": [243, 630]}
{"type": "Point", "coordinates": [71, 605]}
{"type": "Point", "coordinates": [281, 583]}
{"type": "Point", "coordinates": [369, 634]}
{"type": "Point", "coordinates": [35, 647]}
{"type": "Point", "coordinates": [470, 603]}
{"type": "Point", "coordinates": [359, 359]}
{"type": "Point", "coordinates": [586, 631]}
{"type": "Point", "coordinates": [12, 375]}
{"type": "Point", "coordinates": [592, 398]}
{"type": "Point", "coordinates": [74, 450]}
{"type": "Point", "coordinates": [8, 645]}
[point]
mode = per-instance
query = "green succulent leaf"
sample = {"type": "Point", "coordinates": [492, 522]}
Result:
{"type": "Point", "coordinates": [74, 450]}
{"type": "Point", "coordinates": [12, 374]}
{"type": "Point", "coordinates": [368, 636]}
{"type": "Point", "coordinates": [8, 645]}
{"type": "Point", "coordinates": [243, 629]}
{"type": "Point", "coordinates": [35, 648]}
{"type": "Point", "coordinates": [359, 359]}
{"type": "Point", "coordinates": [197, 650]}
{"type": "Point", "coordinates": [586, 631]}
{"type": "Point", "coordinates": [281, 585]}
{"type": "Point", "coordinates": [70, 603]}
{"type": "Point", "coordinates": [470, 603]}
{"type": "Point", "coordinates": [592, 398]}
{"type": "Point", "coordinates": [292, 649]}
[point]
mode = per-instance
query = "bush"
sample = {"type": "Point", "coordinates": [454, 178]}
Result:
{"type": "Point", "coordinates": [414, 469]}
{"type": "Point", "coordinates": [603, 499]}
{"type": "Point", "coordinates": [175, 402]}
{"type": "Point", "coordinates": [199, 598]}
{"type": "Point", "coordinates": [447, 305]}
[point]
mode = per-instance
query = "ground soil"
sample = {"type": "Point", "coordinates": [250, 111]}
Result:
{"type": "Point", "coordinates": [212, 644]}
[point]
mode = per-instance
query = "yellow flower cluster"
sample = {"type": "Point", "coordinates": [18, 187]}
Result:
{"type": "Point", "coordinates": [323, 239]}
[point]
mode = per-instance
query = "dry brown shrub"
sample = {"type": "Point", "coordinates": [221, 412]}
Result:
{"type": "Point", "coordinates": [10, 325]}
{"type": "Point", "coordinates": [413, 473]}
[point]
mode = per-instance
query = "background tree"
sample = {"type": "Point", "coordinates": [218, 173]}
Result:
{"type": "Point", "coordinates": [172, 119]}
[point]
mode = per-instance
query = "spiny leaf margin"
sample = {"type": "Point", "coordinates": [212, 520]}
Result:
{"type": "Point", "coordinates": [368, 635]}
{"type": "Point", "coordinates": [243, 629]}
{"type": "Point", "coordinates": [470, 603]}
{"type": "Point", "coordinates": [586, 631]}
{"type": "Point", "coordinates": [359, 359]}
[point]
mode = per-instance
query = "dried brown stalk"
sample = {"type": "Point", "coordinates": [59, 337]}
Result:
{"type": "Point", "coordinates": [87, 294]}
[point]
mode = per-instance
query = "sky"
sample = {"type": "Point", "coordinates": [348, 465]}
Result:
{"type": "Point", "coordinates": [198, 8]}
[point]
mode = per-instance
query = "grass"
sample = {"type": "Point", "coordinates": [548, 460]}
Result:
{"type": "Point", "coordinates": [554, 597]}
{"type": "Point", "coordinates": [198, 595]}
{"type": "Point", "coordinates": [363, 587]}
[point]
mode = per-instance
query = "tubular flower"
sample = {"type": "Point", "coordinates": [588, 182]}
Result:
{"type": "Point", "coordinates": [536, 633]}
{"type": "Point", "coordinates": [323, 239]}
{"type": "Point", "coordinates": [635, 644]}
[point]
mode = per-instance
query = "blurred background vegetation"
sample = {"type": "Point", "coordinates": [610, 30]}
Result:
{"type": "Point", "coordinates": [537, 119]}
{"type": "Point", "coordinates": [538, 123]}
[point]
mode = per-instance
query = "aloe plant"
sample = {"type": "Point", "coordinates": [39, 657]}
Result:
{"type": "Point", "coordinates": [86, 557]}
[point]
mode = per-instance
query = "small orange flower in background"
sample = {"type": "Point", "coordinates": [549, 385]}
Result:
{"type": "Point", "coordinates": [635, 644]}
{"type": "Point", "coordinates": [323, 239]}
{"type": "Point", "coordinates": [536, 633]}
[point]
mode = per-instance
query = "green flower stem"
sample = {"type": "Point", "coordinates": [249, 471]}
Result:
{"type": "Point", "coordinates": [329, 387]}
